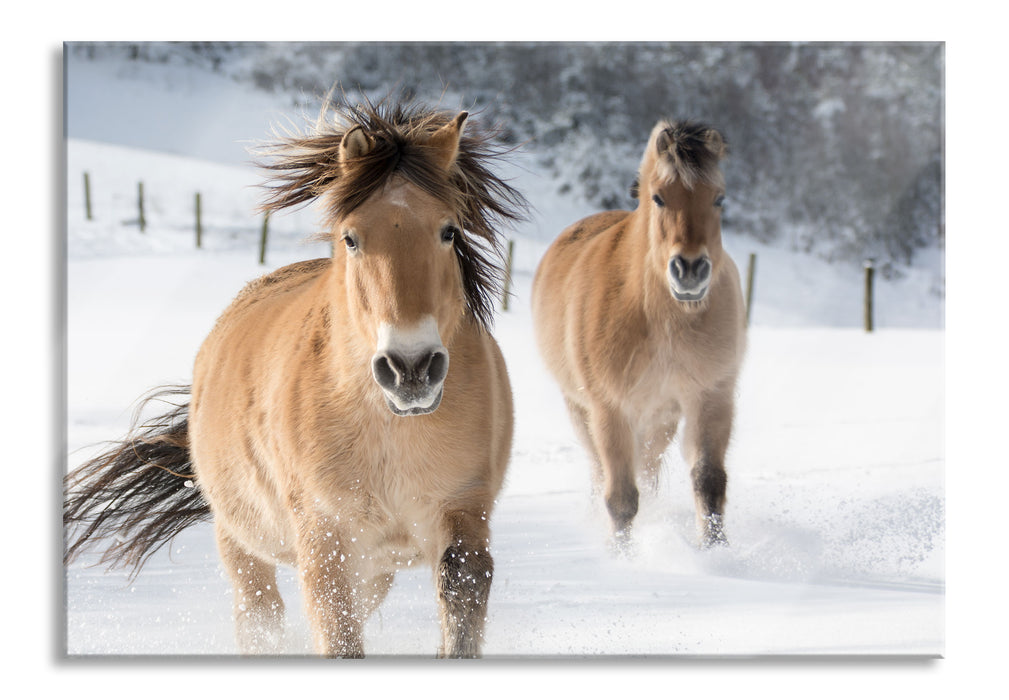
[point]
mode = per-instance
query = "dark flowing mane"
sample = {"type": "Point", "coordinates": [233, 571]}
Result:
{"type": "Point", "coordinates": [307, 166]}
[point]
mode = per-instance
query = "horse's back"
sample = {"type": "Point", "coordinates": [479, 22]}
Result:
{"type": "Point", "coordinates": [274, 286]}
{"type": "Point", "coordinates": [576, 241]}
{"type": "Point", "coordinates": [251, 331]}
{"type": "Point", "coordinates": [583, 295]}
{"type": "Point", "coordinates": [571, 261]}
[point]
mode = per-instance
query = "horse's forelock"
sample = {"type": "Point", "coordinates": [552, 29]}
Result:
{"type": "Point", "coordinates": [689, 152]}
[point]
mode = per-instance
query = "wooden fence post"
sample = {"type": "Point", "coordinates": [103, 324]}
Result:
{"type": "Point", "coordinates": [262, 239]}
{"type": "Point", "coordinates": [140, 207]}
{"type": "Point", "coordinates": [87, 195]}
{"type": "Point", "coordinates": [867, 309]}
{"type": "Point", "coordinates": [508, 276]}
{"type": "Point", "coordinates": [199, 223]}
{"type": "Point", "coordinates": [751, 270]}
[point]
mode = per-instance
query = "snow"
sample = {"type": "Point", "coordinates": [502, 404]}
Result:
{"type": "Point", "coordinates": [837, 468]}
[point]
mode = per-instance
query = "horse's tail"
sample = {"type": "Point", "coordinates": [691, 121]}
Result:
{"type": "Point", "coordinates": [139, 494]}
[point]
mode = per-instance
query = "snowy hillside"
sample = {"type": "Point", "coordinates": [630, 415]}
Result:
{"type": "Point", "coordinates": [834, 149]}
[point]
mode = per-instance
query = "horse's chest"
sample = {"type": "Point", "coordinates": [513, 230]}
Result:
{"type": "Point", "coordinates": [396, 484]}
{"type": "Point", "coordinates": [397, 538]}
{"type": "Point", "coordinates": [383, 522]}
{"type": "Point", "coordinates": [676, 367]}
{"type": "Point", "coordinates": [388, 485]}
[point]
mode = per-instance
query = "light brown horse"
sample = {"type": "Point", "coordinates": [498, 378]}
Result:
{"type": "Point", "coordinates": [349, 416]}
{"type": "Point", "coordinates": [640, 318]}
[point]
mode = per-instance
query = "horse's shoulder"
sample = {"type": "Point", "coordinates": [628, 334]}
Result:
{"type": "Point", "coordinates": [272, 286]}
{"type": "Point", "coordinates": [284, 279]}
{"type": "Point", "coordinates": [591, 226]}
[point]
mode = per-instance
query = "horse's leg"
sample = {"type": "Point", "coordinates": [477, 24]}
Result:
{"type": "Point", "coordinates": [373, 593]}
{"type": "Point", "coordinates": [615, 444]}
{"type": "Point", "coordinates": [463, 580]}
{"type": "Point", "coordinates": [580, 421]}
{"type": "Point", "coordinates": [655, 445]}
{"type": "Point", "coordinates": [709, 426]}
{"type": "Point", "coordinates": [258, 608]}
{"type": "Point", "coordinates": [328, 586]}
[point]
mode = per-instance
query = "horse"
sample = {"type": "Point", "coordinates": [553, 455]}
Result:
{"type": "Point", "coordinates": [640, 318]}
{"type": "Point", "coordinates": [349, 416]}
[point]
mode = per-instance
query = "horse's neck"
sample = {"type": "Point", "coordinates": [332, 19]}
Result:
{"type": "Point", "coordinates": [351, 353]}
{"type": "Point", "coordinates": [645, 265]}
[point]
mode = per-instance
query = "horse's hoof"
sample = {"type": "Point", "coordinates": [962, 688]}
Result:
{"type": "Point", "coordinates": [713, 533]}
{"type": "Point", "coordinates": [712, 541]}
{"type": "Point", "coordinates": [621, 544]}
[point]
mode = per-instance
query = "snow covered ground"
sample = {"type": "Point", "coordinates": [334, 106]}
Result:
{"type": "Point", "coordinates": [836, 499]}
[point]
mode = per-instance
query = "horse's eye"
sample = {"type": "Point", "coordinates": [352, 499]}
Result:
{"type": "Point", "coordinates": [349, 241]}
{"type": "Point", "coordinates": [658, 200]}
{"type": "Point", "coordinates": [720, 200]}
{"type": "Point", "coordinates": [449, 233]}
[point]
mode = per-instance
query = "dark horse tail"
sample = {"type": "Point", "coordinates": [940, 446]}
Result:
{"type": "Point", "coordinates": [139, 494]}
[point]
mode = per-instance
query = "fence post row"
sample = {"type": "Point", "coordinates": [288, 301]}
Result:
{"type": "Point", "coordinates": [751, 267]}
{"type": "Point", "coordinates": [142, 217]}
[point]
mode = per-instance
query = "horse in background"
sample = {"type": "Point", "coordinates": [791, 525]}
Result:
{"type": "Point", "coordinates": [349, 416]}
{"type": "Point", "coordinates": [640, 318]}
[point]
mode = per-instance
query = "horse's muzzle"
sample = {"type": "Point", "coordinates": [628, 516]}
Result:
{"type": "Point", "coordinates": [410, 366]}
{"type": "Point", "coordinates": [689, 279]}
{"type": "Point", "coordinates": [412, 385]}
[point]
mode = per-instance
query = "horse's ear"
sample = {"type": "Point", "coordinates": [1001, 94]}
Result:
{"type": "Point", "coordinates": [715, 143]}
{"type": "Point", "coordinates": [354, 144]}
{"type": "Point", "coordinates": [446, 141]}
{"type": "Point", "coordinates": [662, 142]}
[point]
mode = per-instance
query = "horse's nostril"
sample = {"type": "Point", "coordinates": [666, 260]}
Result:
{"type": "Point", "coordinates": [702, 268]}
{"type": "Point", "coordinates": [437, 367]}
{"type": "Point", "coordinates": [385, 374]}
{"type": "Point", "coordinates": [678, 266]}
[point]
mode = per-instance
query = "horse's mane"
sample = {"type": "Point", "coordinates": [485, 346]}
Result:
{"type": "Point", "coordinates": [307, 166]}
{"type": "Point", "coordinates": [689, 151]}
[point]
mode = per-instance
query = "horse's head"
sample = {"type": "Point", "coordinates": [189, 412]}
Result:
{"type": "Point", "coordinates": [681, 189]}
{"type": "Point", "coordinates": [403, 280]}
{"type": "Point", "coordinates": [411, 209]}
